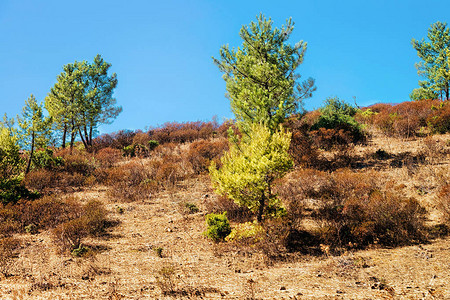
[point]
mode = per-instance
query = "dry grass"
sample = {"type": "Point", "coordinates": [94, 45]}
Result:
{"type": "Point", "coordinates": [124, 264]}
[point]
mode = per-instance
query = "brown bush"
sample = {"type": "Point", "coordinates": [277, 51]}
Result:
{"type": "Point", "coordinates": [92, 221]}
{"type": "Point", "coordinates": [9, 247]}
{"type": "Point", "coordinates": [183, 132]}
{"type": "Point", "coordinates": [380, 217]}
{"type": "Point", "coordinates": [130, 182]}
{"type": "Point", "coordinates": [407, 118]}
{"type": "Point", "coordinates": [444, 203]}
{"type": "Point", "coordinates": [95, 217]}
{"type": "Point", "coordinates": [439, 119]}
{"type": "Point", "coordinates": [49, 211]}
{"type": "Point", "coordinates": [68, 235]}
{"type": "Point", "coordinates": [108, 157]}
{"type": "Point", "coordinates": [77, 161]}
{"type": "Point", "coordinates": [328, 139]}
{"type": "Point", "coordinates": [235, 213]}
{"type": "Point", "coordinates": [302, 148]}
{"type": "Point", "coordinates": [351, 209]}
{"type": "Point", "coordinates": [117, 140]}
{"type": "Point", "coordinates": [41, 180]}
{"type": "Point", "coordinates": [202, 153]}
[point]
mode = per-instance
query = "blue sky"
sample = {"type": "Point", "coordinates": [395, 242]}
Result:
{"type": "Point", "coordinates": [161, 50]}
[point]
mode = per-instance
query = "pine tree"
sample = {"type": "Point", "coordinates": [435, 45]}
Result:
{"type": "Point", "coordinates": [435, 65]}
{"type": "Point", "coordinates": [250, 168]}
{"type": "Point", "coordinates": [82, 99]}
{"type": "Point", "coordinates": [261, 78]}
{"type": "Point", "coordinates": [34, 127]}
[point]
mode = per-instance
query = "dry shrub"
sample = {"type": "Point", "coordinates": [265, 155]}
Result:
{"type": "Point", "coordinates": [381, 217]}
{"type": "Point", "coordinates": [444, 203]}
{"type": "Point", "coordinates": [77, 161]}
{"type": "Point", "coordinates": [95, 217]}
{"type": "Point", "coordinates": [407, 118]}
{"type": "Point", "coordinates": [9, 223]}
{"type": "Point", "coordinates": [433, 149]}
{"type": "Point", "coordinates": [117, 140]}
{"type": "Point", "coordinates": [302, 148]}
{"type": "Point", "coordinates": [173, 132]}
{"type": "Point", "coordinates": [108, 157]}
{"type": "Point", "coordinates": [68, 235]}
{"type": "Point", "coordinates": [130, 181]}
{"type": "Point", "coordinates": [141, 138]}
{"type": "Point", "coordinates": [49, 211]}
{"type": "Point", "coordinates": [91, 221]}
{"type": "Point", "coordinates": [202, 153]}
{"type": "Point", "coordinates": [439, 119]}
{"type": "Point", "coordinates": [41, 180]}
{"type": "Point", "coordinates": [360, 213]}
{"type": "Point", "coordinates": [332, 138]}
{"type": "Point", "coordinates": [9, 247]}
{"type": "Point", "coordinates": [350, 209]}
{"type": "Point", "coordinates": [168, 173]}
{"type": "Point", "coordinates": [235, 213]}
{"type": "Point", "coordinates": [299, 189]}
{"type": "Point", "coordinates": [46, 181]}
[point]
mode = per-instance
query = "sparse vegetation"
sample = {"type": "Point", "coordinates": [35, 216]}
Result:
{"type": "Point", "coordinates": [340, 200]}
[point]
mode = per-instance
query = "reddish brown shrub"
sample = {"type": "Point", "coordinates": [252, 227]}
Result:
{"type": "Point", "coordinates": [130, 182]}
{"type": "Point", "coordinates": [302, 148]}
{"type": "Point", "coordinates": [91, 221]}
{"type": "Point", "coordinates": [68, 235]}
{"type": "Point", "coordinates": [444, 203]}
{"type": "Point", "coordinates": [439, 119]}
{"type": "Point", "coordinates": [9, 247]}
{"type": "Point", "coordinates": [235, 212]}
{"type": "Point", "coordinates": [108, 157]}
{"type": "Point", "coordinates": [202, 153]}
{"type": "Point", "coordinates": [352, 209]}
{"type": "Point", "coordinates": [332, 138]}
{"type": "Point", "coordinates": [379, 107]}
{"type": "Point", "coordinates": [41, 180]}
{"type": "Point", "coordinates": [49, 211]}
{"type": "Point", "coordinates": [184, 132]}
{"type": "Point", "coordinates": [405, 119]}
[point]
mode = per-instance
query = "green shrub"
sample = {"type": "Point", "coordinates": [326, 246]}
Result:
{"type": "Point", "coordinates": [12, 190]}
{"type": "Point", "coordinates": [246, 231]}
{"type": "Point", "coordinates": [45, 159]}
{"type": "Point", "coordinates": [129, 151]}
{"type": "Point", "coordinates": [80, 251]}
{"type": "Point", "coordinates": [152, 144]}
{"type": "Point", "coordinates": [190, 208]}
{"type": "Point", "coordinates": [339, 116]}
{"type": "Point", "coordinates": [218, 226]}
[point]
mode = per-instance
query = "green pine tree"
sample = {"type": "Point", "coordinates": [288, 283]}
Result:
{"type": "Point", "coordinates": [34, 127]}
{"type": "Point", "coordinates": [261, 78]}
{"type": "Point", "coordinates": [435, 64]}
{"type": "Point", "coordinates": [250, 168]}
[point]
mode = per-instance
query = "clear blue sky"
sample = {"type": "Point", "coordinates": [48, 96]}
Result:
{"type": "Point", "coordinates": [161, 50]}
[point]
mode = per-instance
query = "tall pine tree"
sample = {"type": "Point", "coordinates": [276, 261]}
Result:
{"type": "Point", "coordinates": [435, 64]}
{"type": "Point", "coordinates": [261, 78]}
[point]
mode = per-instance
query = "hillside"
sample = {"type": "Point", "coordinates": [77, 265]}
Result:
{"type": "Point", "coordinates": [154, 247]}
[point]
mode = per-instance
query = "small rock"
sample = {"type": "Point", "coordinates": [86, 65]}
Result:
{"type": "Point", "coordinates": [339, 292]}
{"type": "Point", "coordinates": [283, 288]}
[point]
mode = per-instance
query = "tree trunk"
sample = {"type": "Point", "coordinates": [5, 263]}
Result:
{"type": "Point", "coordinates": [31, 154]}
{"type": "Point", "coordinates": [447, 96]}
{"type": "Point", "coordinates": [90, 135]}
{"type": "Point", "coordinates": [83, 139]}
{"type": "Point", "coordinates": [261, 208]}
{"type": "Point", "coordinates": [72, 136]}
{"type": "Point", "coordinates": [64, 136]}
